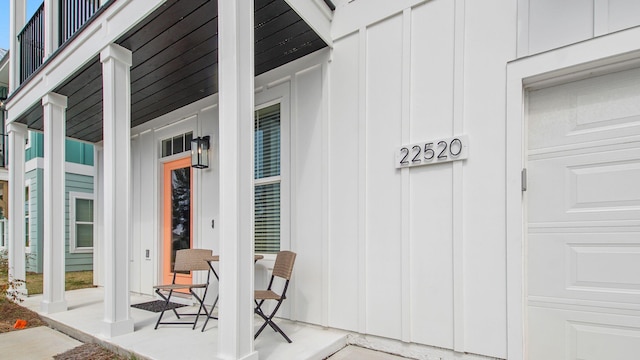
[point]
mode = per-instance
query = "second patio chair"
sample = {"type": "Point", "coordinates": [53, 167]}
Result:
{"type": "Point", "coordinates": [186, 260]}
{"type": "Point", "coordinates": [282, 269]}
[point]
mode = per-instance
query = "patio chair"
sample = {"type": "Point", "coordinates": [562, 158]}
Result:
{"type": "Point", "coordinates": [282, 269]}
{"type": "Point", "coordinates": [186, 260]}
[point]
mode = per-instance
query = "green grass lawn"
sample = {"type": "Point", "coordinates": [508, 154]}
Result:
{"type": "Point", "coordinates": [73, 280]}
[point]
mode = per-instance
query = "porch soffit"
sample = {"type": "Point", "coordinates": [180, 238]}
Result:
{"type": "Point", "coordinates": [175, 56]}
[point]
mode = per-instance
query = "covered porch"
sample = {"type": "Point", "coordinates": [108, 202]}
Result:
{"type": "Point", "coordinates": [132, 63]}
{"type": "Point", "coordinates": [84, 316]}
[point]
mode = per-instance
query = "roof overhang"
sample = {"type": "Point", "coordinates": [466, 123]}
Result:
{"type": "Point", "coordinates": [174, 48]}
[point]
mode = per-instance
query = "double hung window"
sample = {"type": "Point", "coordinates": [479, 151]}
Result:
{"type": "Point", "coordinates": [267, 179]}
{"type": "Point", "coordinates": [80, 222]}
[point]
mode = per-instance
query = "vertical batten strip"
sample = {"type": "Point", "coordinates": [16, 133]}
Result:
{"type": "Point", "coordinates": [325, 195]}
{"type": "Point", "coordinates": [98, 211]}
{"type": "Point", "coordinates": [523, 28]}
{"type": "Point", "coordinates": [362, 180]}
{"type": "Point", "coordinates": [457, 196]}
{"type": "Point", "coordinates": [600, 17]}
{"type": "Point", "coordinates": [293, 161]}
{"type": "Point", "coordinates": [405, 177]}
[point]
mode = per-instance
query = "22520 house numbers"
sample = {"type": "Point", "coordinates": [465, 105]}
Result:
{"type": "Point", "coordinates": [433, 152]}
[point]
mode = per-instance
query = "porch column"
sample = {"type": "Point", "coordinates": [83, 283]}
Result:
{"type": "Point", "coordinates": [116, 88]}
{"type": "Point", "coordinates": [51, 26]}
{"type": "Point", "coordinates": [17, 135]}
{"type": "Point", "coordinates": [236, 89]}
{"type": "Point", "coordinates": [17, 19]}
{"type": "Point", "coordinates": [54, 115]}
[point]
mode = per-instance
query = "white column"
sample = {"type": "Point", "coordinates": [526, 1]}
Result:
{"type": "Point", "coordinates": [236, 89]}
{"type": "Point", "coordinates": [98, 215]}
{"type": "Point", "coordinates": [51, 26]}
{"type": "Point", "coordinates": [116, 89]}
{"type": "Point", "coordinates": [54, 114]}
{"type": "Point", "coordinates": [17, 135]}
{"type": "Point", "coordinates": [17, 19]}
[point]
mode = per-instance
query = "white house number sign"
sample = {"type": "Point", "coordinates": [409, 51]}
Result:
{"type": "Point", "coordinates": [432, 152]}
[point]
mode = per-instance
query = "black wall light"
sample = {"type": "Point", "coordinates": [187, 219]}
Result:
{"type": "Point", "coordinates": [200, 152]}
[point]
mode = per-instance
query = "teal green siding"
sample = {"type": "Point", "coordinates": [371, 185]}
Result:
{"type": "Point", "coordinates": [79, 153]}
{"type": "Point", "coordinates": [75, 151]}
{"type": "Point", "coordinates": [36, 147]}
{"type": "Point", "coordinates": [73, 183]}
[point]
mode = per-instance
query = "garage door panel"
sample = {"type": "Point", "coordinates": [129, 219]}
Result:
{"type": "Point", "coordinates": [603, 267]}
{"type": "Point", "coordinates": [593, 186]}
{"type": "Point", "coordinates": [584, 335]}
{"type": "Point", "coordinates": [584, 111]}
{"type": "Point", "coordinates": [583, 219]}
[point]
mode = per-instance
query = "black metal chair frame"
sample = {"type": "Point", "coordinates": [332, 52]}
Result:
{"type": "Point", "coordinates": [268, 319]}
{"type": "Point", "coordinates": [172, 287]}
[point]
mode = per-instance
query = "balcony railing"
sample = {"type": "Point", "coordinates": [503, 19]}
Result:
{"type": "Point", "coordinates": [3, 138]}
{"type": "Point", "coordinates": [73, 14]}
{"type": "Point", "coordinates": [31, 40]}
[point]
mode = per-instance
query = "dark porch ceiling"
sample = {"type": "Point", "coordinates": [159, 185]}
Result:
{"type": "Point", "coordinates": [175, 56]}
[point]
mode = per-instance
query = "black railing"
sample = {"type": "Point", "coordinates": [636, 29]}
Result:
{"type": "Point", "coordinates": [74, 14]}
{"type": "Point", "coordinates": [3, 139]}
{"type": "Point", "coordinates": [3, 150]}
{"type": "Point", "coordinates": [31, 40]}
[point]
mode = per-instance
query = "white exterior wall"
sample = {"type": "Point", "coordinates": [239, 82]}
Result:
{"type": "Point", "coordinates": [202, 119]}
{"type": "Point", "coordinates": [416, 254]}
{"type": "Point", "coordinates": [419, 254]}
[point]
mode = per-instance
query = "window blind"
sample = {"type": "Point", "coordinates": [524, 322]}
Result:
{"type": "Point", "coordinates": [267, 170]}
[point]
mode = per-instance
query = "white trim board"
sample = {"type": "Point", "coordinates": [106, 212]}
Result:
{"type": "Point", "coordinates": [70, 168]}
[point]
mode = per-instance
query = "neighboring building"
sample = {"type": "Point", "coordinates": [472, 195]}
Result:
{"type": "Point", "coordinates": [453, 174]}
{"type": "Point", "coordinates": [78, 204]}
{"type": "Point", "coordinates": [78, 194]}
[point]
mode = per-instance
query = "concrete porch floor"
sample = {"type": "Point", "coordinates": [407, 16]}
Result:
{"type": "Point", "coordinates": [83, 321]}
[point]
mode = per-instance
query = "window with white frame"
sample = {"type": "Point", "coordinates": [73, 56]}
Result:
{"type": "Point", "coordinates": [267, 179]}
{"type": "Point", "coordinates": [80, 222]}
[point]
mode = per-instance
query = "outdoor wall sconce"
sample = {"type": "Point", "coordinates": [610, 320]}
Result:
{"type": "Point", "coordinates": [200, 152]}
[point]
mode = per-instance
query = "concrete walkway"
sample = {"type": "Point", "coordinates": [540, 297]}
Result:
{"type": "Point", "coordinates": [357, 353]}
{"type": "Point", "coordinates": [35, 343]}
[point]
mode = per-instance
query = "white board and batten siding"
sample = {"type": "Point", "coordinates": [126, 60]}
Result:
{"type": "Point", "coordinates": [417, 254]}
{"type": "Point", "coordinates": [583, 245]}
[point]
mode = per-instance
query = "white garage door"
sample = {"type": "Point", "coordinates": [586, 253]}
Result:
{"type": "Point", "coordinates": [583, 218]}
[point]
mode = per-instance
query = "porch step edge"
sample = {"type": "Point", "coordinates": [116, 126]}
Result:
{"type": "Point", "coordinates": [90, 339]}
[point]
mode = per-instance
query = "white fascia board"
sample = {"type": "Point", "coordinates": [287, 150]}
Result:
{"type": "Point", "coordinates": [108, 27]}
{"type": "Point", "coordinates": [317, 15]}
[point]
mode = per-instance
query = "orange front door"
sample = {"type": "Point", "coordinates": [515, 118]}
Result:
{"type": "Point", "coordinates": [177, 216]}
